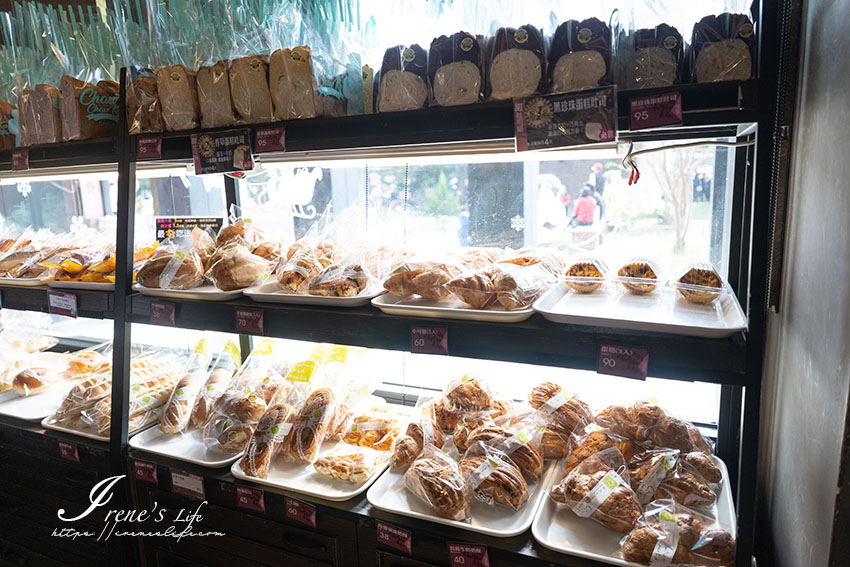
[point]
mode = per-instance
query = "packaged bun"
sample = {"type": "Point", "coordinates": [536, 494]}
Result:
{"type": "Point", "coordinates": [517, 63]}
{"type": "Point", "coordinates": [178, 410]}
{"type": "Point", "coordinates": [172, 268]}
{"type": "Point", "coordinates": [46, 103]}
{"type": "Point", "coordinates": [269, 436]}
{"type": "Point", "coordinates": [520, 444]}
{"type": "Point", "coordinates": [292, 84]}
{"type": "Point", "coordinates": [340, 280]}
{"type": "Point", "coordinates": [455, 69]}
{"type": "Point", "coordinates": [567, 411]}
{"type": "Point", "coordinates": [178, 97]}
{"type": "Point", "coordinates": [653, 57]}
{"type": "Point", "coordinates": [144, 111]}
{"type": "Point", "coordinates": [217, 382]}
{"type": "Point", "coordinates": [646, 422]}
{"type": "Point", "coordinates": [435, 478]}
{"type": "Point", "coordinates": [580, 56]}
{"type": "Point", "coordinates": [88, 111]}
{"type": "Point", "coordinates": [467, 393]}
{"type": "Point", "coordinates": [423, 277]}
{"type": "Point", "coordinates": [403, 80]}
{"type": "Point", "coordinates": [311, 426]}
{"type": "Point", "coordinates": [599, 440]}
{"type": "Point", "coordinates": [236, 267]}
{"type": "Point", "coordinates": [249, 89]}
{"type": "Point", "coordinates": [493, 478]}
{"type": "Point", "coordinates": [723, 48]}
{"type": "Point", "coordinates": [347, 464]}
{"type": "Point", "coordinates": [214, 101]}
{"type": "Point", "coordinates": [376, 430]}
{"type": "Point", "coordinates": [420, 434]}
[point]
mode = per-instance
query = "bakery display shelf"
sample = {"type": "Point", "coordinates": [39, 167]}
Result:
{"type": "Point", "coordinates": [65, 154]}
{"type": "Point", "coordinates": [95, 304]}
{"type": "Point", "coordinates": [717, 105]}
{"type": "Point", "coordinates": [34, 431]}
{"type": "Point", "coordinates": [534, 341]}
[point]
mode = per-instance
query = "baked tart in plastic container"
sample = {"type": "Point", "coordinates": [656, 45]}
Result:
{"type": "Point", "coordinates": [586, 275]}
{"type": "Point", "coordinates": [639, 276]}
{"type": "Point", "coordinates": [699, 283]}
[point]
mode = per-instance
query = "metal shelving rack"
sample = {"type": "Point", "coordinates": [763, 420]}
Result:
{"type": "Point", "coordinates": [742, 110]}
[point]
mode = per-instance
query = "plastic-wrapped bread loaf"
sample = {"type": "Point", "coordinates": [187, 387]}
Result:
{"type": "Point", "coordinates": [403, 82]}
{"type": "Point", "coordinates": [653, 57]}
{"type": "Point", "coordinates": [178, 97]}
{"type": "Point", "coordinates": [214, 96]}
{"type": "Point", "coordinates": [48, 123]}
{"type": "Point", "coordinates": [292, 84]}
{"type": "Point", "coordinates": [144, 111]}
{"type": "Point", "coordinates": [311, 426]}
{"type": "Point", "coordinates": [178, 410]}
{"type": "Point", "coordinates": [88, 111]}
{"type": "Point", "coordinates": [217, 382]}
{"type": "Point", "coordinates": [580, 55]}
{"type": "Point", "coordinates": [722, 49]}
{"type": "Point", "coordinates": [455, 69]}
{"type": "Point", "coordinates": [270, 435]}
{"type": "Point", "coordinates": [26, 119]}
{"type": "Point", "coordinates": [249, 89]}
{"type": "Point", "coordinates": [435, 478]}
{"type": "Point", "coordinates": [517, 63]}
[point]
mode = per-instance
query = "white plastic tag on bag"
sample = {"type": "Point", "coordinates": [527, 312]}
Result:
{"type": "Point", "coordinates": [599, 494]}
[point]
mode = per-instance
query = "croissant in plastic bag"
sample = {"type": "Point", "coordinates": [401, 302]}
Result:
{"type": "Point", "coordinates": [467, 393]}
{"type": "Point", "coordinates": [646, 422]}
{"type": "Point", "coordinates": [420, 433]}
{"type": "Point", "coordinates": [435, 478]}
{"type": "Point", "coordinates": [598, 439]}
{"type": "Point", "coordinates": [493, 477]}
{"type": "Point", "coordinates": [340, 280]}
{"type": "Point", "coordinates": [423, 277]}
{"type": "Point", "coordinates": [665, 474]}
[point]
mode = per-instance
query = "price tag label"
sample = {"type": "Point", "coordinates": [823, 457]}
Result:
{"type": "Point", "coordinates": [429, 340]}
{"type": "Point", "coordinates": [149, 147]}
{"type": "Point", "coordinates": [69, 452]}
{"type": "Point", "coordinates": [270, 139]}
{"type": "Point", "coordinates": [566, 119]}
{"type": "Point", "coordinates": [301, 512]}
{"type": "Point", "coordinates": [394, 537]}
{"type": "Point", "coordinates": [162, 312]}
{"type": "Point", "coordinates": [628, 362]}
{"type": "Point", "coordinates": [222, 152]}
{"type": "Point", "coordinates": [145, 471]}
{"type": "Point", "coordinates": [249, 321]}
{"type": "Point", "coordinates": [190, 485]}
{"type": "Point", "coordinates": [652, 111]}
{"type": "Point", "coordinates": [60, 303]}
{"type": "Point", "coordinates": [468, 555]}
{"type": "Point", "coordinates": [20, 160]}
{"type": "Point", "coordinates": [250, 499]}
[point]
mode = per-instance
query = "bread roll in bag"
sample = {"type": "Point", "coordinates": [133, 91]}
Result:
{"type": "Point", "coordinates": [179, 98]}
{"type": "Point", "coordinates": [517, 63]}
{"type": "Point", "coordinates": [723, 48]}
{"type": "Point", "coordinates": [214, 96]}
{"type": "Point", "coordinates": [580, 56]}
{"type": "Point", "coordinates": [654, 57]}
{"type": "Point", "coordinates": [292, 84]}
{"type": "Point", "coordinates": [455, 69]}
{"type": "Point", "coordinates": [249, 88]}
{"type": "Point", "coordinates": [403, 81]}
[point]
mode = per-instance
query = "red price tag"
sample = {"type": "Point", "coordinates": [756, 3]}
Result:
{"type": "Point", "coordinates": [429, 340]}
{"type": "Point", "coordinates": [149, 147]}
{"type": "Point", "coordinates": [250, 499]}
{"type": "Point", "coordinates": [652, 111]}
{"type": "Point", "coordinates": [190, 485]}
{"type": "Point", "coordinates": [145, 471]}
{"type": "Point", "coordinates": [20, 160]}
{"type": "Point", "coordinates": [69, 452]}
{"type": "Point", "coordinates": [468, 555]}
{"type": "Point", "coordinates": [301, 512]}
{"type": "Point", "coordinates": [249, 321]}
{"type": "Point", "coordinates": [270, 140]}
{"type": "Point", "coordinates": [394, 537]}
{"type": "Point", "coordinates": [61, 303]}
{"type": "Point", "coordinates": [162, 312]}
{"type": "Point", "coordinates": [628, 362]}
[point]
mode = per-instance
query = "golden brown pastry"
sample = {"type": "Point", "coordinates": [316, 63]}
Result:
{"type": "Point", "coordinates": [178, 410]}
{"type": "Point", "coordinates": [435, 478]}
{"type": "Point", "coordinates": [237, 268]}
{"type": "Point", "coordinates": [468, 394]}
{"type": "Point", "coordinates": [212, 391]}
{"type": "Point", "coordinates": [355, 468]}
{"type": "Point", "coordinates": [525, 456]}
{"type": "Point", "coordinates": [466, 425]}
{"type": "Point", "coordinates": [696, 546]}
{"type": "Point", "coordinates": [31, 381]}
{"type": "Point", "coordinates": [597, 441]}
{"type": "Point", "coordinates": [445, 419]}
{"type": "Point", "coordinates": [501, 484]}
{"type": "Point", "coordinates": [311, 426]}
{"type": "Point", "coordinates": [242, 407]}
{"type": "Point", "coordinates": [425, 279]}
{"type": "Point", "coordinates": [241, 232]}
{"type": "Point", "coordinates": [699, 442]}
{"type": "Point", "coordinates": [373, 430]}
{"type": "Point", "coordinates": [339, 281]}
{"type": "Point", "coordinates": [697, 284]}
{"type": "Point", "coordinates": [671, 433]}
{"type": "Point", "coordinates": [686, 489]}
{"type": "Point", "coordinates": [182, 273]}
{"type": "Point", "coordinates": [413, 442]}
{"type": "Point", "coordinates": [569, 413]}
{"type": "Point", "coordinates": [642, 276]}
{"type": "Point", "coordinates": [268, 437]}
{"type": "Point", "coordinates": [585, 276]}
{"type": "Point", "coordinates": [268, 250]}
{"type": "Point", "coordinates": [476, 289]}
{"type": "Point", "coordinates": [634, 421]}
{"type": "Point", "coordinates": [298, 270]}
{"type": "Point", "coordinates": [85, 361]}
{"type": "Point", "coordinates": [703, 465]}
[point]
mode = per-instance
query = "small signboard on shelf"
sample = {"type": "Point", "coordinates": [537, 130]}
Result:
{"type": "Point", "coordinates": [653, 111]}
{"type": "Point", "coordinates": [563, 120]}
{"type": "Point", "coordinates": [396, 538]}
{"type": "Point", "coordinates": [250, 499]}
{"type": "Point", "coordinates": [190, 485]}
{"type": "Point", "coordinates": [182, 227]}
{"type": "Point", "coordinates": [301, 512]}
{"type": "Point", "coordinates": [270, 139]}
{"type": "Point", "coordinates": [222, 152]}
{"type": "Point", "coordinates": [162, 312]}
{"type": "Point", "coordinates": [625, 361]}
{"type": "Point", "coordinates": [60, 303]}
{"type": "Point", "coordinates": [429, 340]}
{"type": "Point", "coordinates": [68, 451]}
{"type": "Point", "coordinates": [149, 147]}
{"type": "Point", "coordinates": [249, 321]}
{"type": "Point", "coordinates": [145, 471]}
{"type": "Point", "coordinates": [468, 555]}
{"type": "Point", "coordinates": [20, 160]}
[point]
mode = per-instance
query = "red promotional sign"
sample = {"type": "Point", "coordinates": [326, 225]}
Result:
{"type": "Point", "coordinates": [628, 362]}
{"type": "Point", "coordinates": [652, 111]}
{"type": "Point", "coordinates": [301, 512]}
{"type": "Point", "coordinates": [249, 321]}
{"type": "Point", "coordinates": [394, 537]}
{"type": "Point", "coordinates": [270, 140]}
{"type": "Point", "coordinates": [69, 452]}
{"type": "Point", "coordinates": [60, 303]}
{"type": "Point", "coordinates": [145, 471]}
{"type": "Point", "coordinates": [162, 312]}
{"type": "Point", "coordinates": [429, 340]}
{"type": "Point", "coordinates": [190, 485]}
{"type": "Point", "coordinates": [20, 160]}
{"type": "Point", "coordinates": [468, 555]}
{"type": "Point", "coordinates": [250, 499]}
{"type": "Point", "coordinates": [149, 147]}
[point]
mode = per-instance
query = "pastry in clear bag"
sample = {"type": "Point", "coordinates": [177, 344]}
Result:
{"type": "Point", "coordinates": [568, 411]}
{"type": "Point", "coordinates": [234, 419]}
{"type": "Point", "coordinates": [598, 439]}
{"type": "Point", "coordinates": [423, 277]}
{"type": "Point", "coordinates": [269, 437]}
{"type": "Point", "coordinates": [340, 280]}
{"type": "Point", "coordinates": [376, 430]}
{"type": "Point", "coordinates": [236, 267]}
{"type": "Point", "coordinates": [666, 474]}
{"type": "Point", "coordinates": [435, 478]}
{"type": "Point", "coordinates": [586, 275]}
{"type": "Point", "coordinates": [216, 384]}
{"type": "Point", "coordinates": [348, 464]}
{"type": "Point", "coordinates": [599, 489]}
{"type": "Point", "coordinates": [178, 410]}
{"type": "Point", "coordinates": [467, 393]}
{"type": "Point", "coordinates": [699, 283]}
{"type": "Point", "coordinates": [172, 267]}
{"type": "Point", "coordinates": [242, 231]}
{"type": "Point", "coordinates": [299, 269]}
{"type": "Point", "coordinates": [517, 63]}
{"type": "Point", "coordinates": [580, 56]}
{"type": "Point", "coordinates": [455, 68]}
{"type": "Point", "coordinates": [422, 432]}
{"type": "Point", "coordinates": [648, 423]}
{"type": "Point", "coordinates": [493, 477]}
{"type": "Point", "coordinates": [723, 48]}
{"type": "Point", "coordinates": [311, 426]}
{"type": "Point", "coordinates": [640, 276]}
{"type": "Point", "coordinates": [669, 534]}
{"type": "Point", "coordinates": [403, 80]}
{"type": "Point", "coordinates": [521, 443]}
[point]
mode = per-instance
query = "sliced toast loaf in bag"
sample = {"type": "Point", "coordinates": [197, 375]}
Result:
{"type": "Point", "coordinates": [177, 93]}
{"type": "Point", "coordinates": [249, 88]}
{"type": "Point", "coordinates": [214, 96]}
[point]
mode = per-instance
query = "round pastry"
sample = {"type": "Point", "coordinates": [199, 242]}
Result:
{"type": "Point", "coordinates": [188, 273]}
{"type": "Point", "coordinates": [249, 408]}
{"type": "Point", "coordinates": [697, 283]}
{"type": "Point", "coordinates": [525, 456]}
{"type": "Point", "coordinates": [237, 268]}
{"type": "Point", "coordinates": [642, 278]}
{"type": "Point", "coordinates": [585, 277]}
{"type": "Point", "coordinates": [504, 485]}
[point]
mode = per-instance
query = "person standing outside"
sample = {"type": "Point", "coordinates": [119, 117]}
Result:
{"type": "Point", "coordinates": [584, 208]}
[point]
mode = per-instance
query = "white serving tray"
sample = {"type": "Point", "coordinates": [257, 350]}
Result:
{"type": "Point", "coordinates": [390, 495]}
{"type": "Point", "coordinates": [188, 447]}
{"type": "Point", "coordinates": [203, 293]}
{"type": "Point", "coordinates": [270, 292]}
{"type": "Point", "coordinates": [559, 529]}
{"type": "Point", "coordinates": [663, 311]}
{"type": "Point", "coordinates": [22, 282]}
{"type": "Point", "coordinates": [447, 308]}
{"type": "Point", "coordinates": [50, 424]}
{"type": "Point", "coordinates": [33, 408]}
{"type": "Point", "coordinates": [98, 286]}
{"type": "Point", "coordinates": [302, 478]}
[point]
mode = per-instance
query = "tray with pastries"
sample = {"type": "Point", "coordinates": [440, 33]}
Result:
{"type": "Point", "coordinates": [32, 386]}
{"type": "Point", "coordinates": [201, 293]}
{"type": "Point", "coordinates": [187, 446]}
